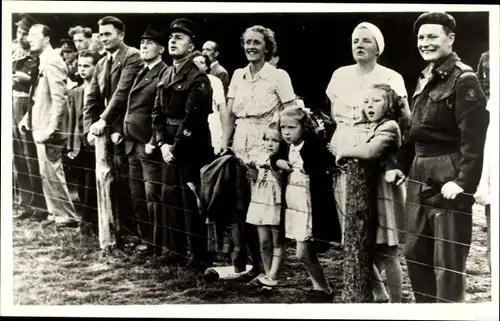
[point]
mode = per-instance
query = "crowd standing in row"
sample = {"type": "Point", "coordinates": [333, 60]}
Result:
{"type": "Point", "coordinates": [191, 146]}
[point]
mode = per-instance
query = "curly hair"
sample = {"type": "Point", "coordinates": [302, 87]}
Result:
{"type": "Point", "coordinates": [394, 102]}
{"type": "Point", "coordinates": [300, 115]}
{"type": "Point", "coordinates": [269, 39]}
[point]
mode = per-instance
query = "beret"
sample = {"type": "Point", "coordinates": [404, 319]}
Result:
{"type": "Point", "coordinates": [439, 18]}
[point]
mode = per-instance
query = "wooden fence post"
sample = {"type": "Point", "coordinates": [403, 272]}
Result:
{"type": "Point", "coordinates": [104, 182]}
{"type": "Point", "coordinates": [359, 233]}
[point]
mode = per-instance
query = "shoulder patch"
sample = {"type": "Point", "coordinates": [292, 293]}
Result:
{"type": "Point", "coordinates": [463, 66]}
{"type": "Point", "coordinates": [471, 94]}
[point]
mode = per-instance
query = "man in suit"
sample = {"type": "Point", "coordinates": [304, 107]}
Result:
{"type": "Point", "coordinates": [80, 157]}
{"type": "Point", "coordinates": [105, 106]}
{"type": "Point", "coordinates": [180, 125]}
{"type": "Point", "coordinates": [27, 179]}
{"type": "Point", "coordinates": [211, 49]}
{"type": "Point", "coordinates": [144, 159]}
{"type": "Point", "coordinates": [48, 120]}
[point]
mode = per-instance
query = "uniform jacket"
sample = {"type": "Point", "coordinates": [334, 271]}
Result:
{"type": "Point", "coordinates": [220, 72]}
{"type": "Point", "coordinates": [449, 116]}
{"type": "Point", "coordinates": [125, 67]}
{"type": "Point", "coordinates": [137, 125]}
{"type": "Point", "coordinates": [29, 66]}
{"type": "Point", "coordinates": [49, 114]}
{"type": "Point", "coordinates": [318, 161]}
{"type": "Point", "coordinates": [180, 116]}
{"type": "Point", "coordinates": [75, 124]}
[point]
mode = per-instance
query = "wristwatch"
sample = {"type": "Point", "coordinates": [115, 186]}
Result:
{"type": "Point", "coordinates": [160, 143]}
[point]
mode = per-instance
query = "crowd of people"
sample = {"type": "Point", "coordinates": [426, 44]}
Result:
{"type": "Point", "coordinates": [198, 155]}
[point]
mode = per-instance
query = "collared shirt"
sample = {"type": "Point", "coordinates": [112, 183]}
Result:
{"type": "Point", "coordinates": [113, 55]}
{"type": "Point", "coordinates": [213, 64]}
{"type": "Point", "coordinates": [294, 155]}
{"type": "Point", "coordinates": [261, 94]}
{"type": "Point", "coordinates": [152, 65]}
{"type": "Point", "coordinates": [178, 64]}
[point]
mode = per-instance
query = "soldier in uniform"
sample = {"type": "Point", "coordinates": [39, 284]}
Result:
{"type": "Point", "coordinates": [26, 169]}
{"type": "Point", "coordinates": [180, 125]}
{"type": "Point", "coordinates": [443, 155]}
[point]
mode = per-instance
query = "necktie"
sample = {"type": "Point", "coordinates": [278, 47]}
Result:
{"type": "Point", "coordinates": [141, 74]}
{"type": "Point", "coordinates": [108, 78]}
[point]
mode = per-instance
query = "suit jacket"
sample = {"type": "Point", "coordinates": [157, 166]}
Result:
{"type": "Point", "coordinates": [75, 125]}
{"type": "Point", "coordinates": [125, 67]}
{"type": "Point", "coordinates": [137, 126]}
{"type": "Point", "coordinates": [48, 116]}
{"type": "Point", "coordinates": [220, 72]}
{"type": "Point", "coordinates": [180, 116]}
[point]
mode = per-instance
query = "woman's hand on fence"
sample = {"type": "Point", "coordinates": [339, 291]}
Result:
{"type": "Point", "coordinates": [166, 153]}
{"type": "Point", "coordinates": [450, 190]}
{"type": "Point", "coordinates": [394, 176]}
{"type": "Point", "coordinates": [284, 165]}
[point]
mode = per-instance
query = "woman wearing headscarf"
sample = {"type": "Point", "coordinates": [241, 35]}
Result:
{"type": "Point", "coordinates": [345, 92]}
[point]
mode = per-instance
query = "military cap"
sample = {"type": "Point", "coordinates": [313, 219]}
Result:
{"type": "Point", "coordinates": [438, 18]}
{"type": "Point", "coordinates": [67, 45]}
{"type": "Point", "coordinates": [185, 26]}
{"type": "Point", "coordinates": [154, 33]}
{"type": "Point", "coordinates": [26, 22]}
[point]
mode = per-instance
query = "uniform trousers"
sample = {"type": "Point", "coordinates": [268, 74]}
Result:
{"type": "Point", "coordinates": [440, 233]}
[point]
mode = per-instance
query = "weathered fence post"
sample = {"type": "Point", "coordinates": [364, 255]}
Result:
{"type": "Point", "coordinates": [104, 182]}
{"type": "Point", "coordinates": [359, 234]}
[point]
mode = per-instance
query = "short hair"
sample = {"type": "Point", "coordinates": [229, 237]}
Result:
{"type": "Point", "coordinates": [86, 31]}
{"type": "Point", "coordinates": [197, 53]}
{"type": "Point", "coordinates": [46, 31]}
{"type": "Point", "coordinates": [216, 45]}
{"type": "Point", "coordinates": [90, 53]}
{"type": "Point", "coordinates": [110, 20]}
{"type": "Point", "coordinates": [269, 39]}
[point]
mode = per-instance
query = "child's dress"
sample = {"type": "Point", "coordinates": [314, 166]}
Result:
{"type": "Point", "coordinates": [265, 205]}
{"type": "Point", "coordinates": [298, 214]}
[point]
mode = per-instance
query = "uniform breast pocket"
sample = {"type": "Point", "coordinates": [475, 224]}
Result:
{"type": "Point", "coordinates": [440, 111]}
{"type": "Point", "coordinates": [179, 95]}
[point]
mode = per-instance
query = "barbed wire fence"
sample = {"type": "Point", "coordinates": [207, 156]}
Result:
{"type": "Point", "coordinates": [358, 247]}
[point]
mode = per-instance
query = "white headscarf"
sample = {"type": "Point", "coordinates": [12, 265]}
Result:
{"type": "Point", "coordinates": [377, 34]}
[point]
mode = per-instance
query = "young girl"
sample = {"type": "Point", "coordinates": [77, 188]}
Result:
{"type": "Point", "coordinates": [381, 106]}
{"type": "Point", "coordinates": [310, 216]}
{"type": "Point", "coordinates": [265, 208]}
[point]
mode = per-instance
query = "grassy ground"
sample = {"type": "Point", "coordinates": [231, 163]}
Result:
{"type": "Point", "coordinates": [54, 267]}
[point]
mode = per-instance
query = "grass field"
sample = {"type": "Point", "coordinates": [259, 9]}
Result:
{"type": "Point", "coordinates": [53, 267]}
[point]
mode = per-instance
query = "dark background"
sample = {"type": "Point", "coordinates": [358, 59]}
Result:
{"type": "Point", "coordinates": [311, 45]}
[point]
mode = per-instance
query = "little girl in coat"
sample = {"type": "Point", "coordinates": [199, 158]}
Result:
{"type": "Point", "coordinates": [381, 105]}
{"type": "Point", "coordinates": [264, 210]}
{"type": "Point", "coordinates": [310, 215]}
